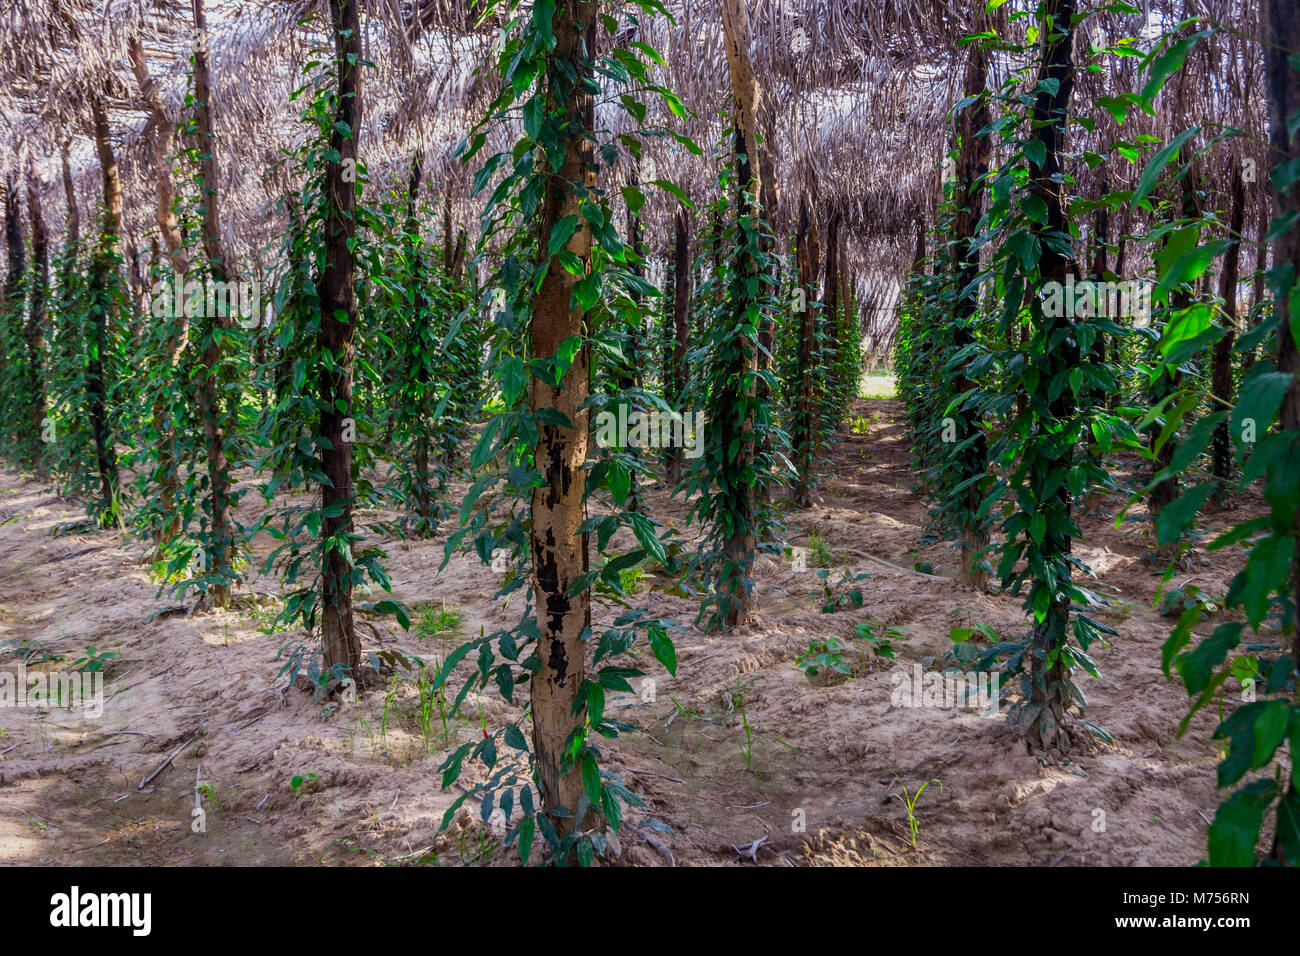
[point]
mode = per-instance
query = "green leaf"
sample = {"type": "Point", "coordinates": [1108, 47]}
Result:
{"type": "Point", "coordinates": [1170, 62]}
{"type": "Point", "coordinates": [1236, 826]}
{"type": "Point", "coordinates": [543, 13]}
{"type": "Point", "coordinates": [620, 482]}
{"type": "Point", "coordinates": [586, 292]}
{"type": "Point", "coordinates": [561, 232]}
{"type": "Point", "coordinates": [591, 777]}
{"type": "Point", "coordinates": [513, 379]}
{"type": "Point", "coordinates": [1038, 527]}
{"type": "Point", "coordinates": [534, 113]}
{"type": "Point", "coordinates": [1288, 828]}
{"type": "Point", "coordinates": [1261, 397]}
{"type": "Point", "coordinates": [664, 650]}
{"type": "Point", "coordinates": [1151, 175]}
{"type": "Point", "coordinates": [1189, 267]}
{"type": "Point", "coordinates": [1270, 730]}
{"type": "Point", "coordinates": [1197, 667]}
{"type": "Point", "coordinates": [392, 607]}
{"type": "Point", "coordinates": [527, 827]}
{"type": "Point", "coordinates": [1179, 514]}
{"type": "Point", "coordinates": [595, 702]}
{"type": "Point", "coordinates": [645, 536]}
{"type": "Point", "coordinates": [674, 190]}
{"type": "Point", "coordinates": [564, 357]}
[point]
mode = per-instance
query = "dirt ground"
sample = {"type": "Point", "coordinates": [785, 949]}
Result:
{"type": "Point", "coordinates": [744, 757]}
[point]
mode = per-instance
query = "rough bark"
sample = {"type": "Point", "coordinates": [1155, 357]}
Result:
{"type": "Point", "coordinates": [204, 122]}
{"type": "Point", "coordinates": [217, 419]}
{"type": "Point", "coordinates": [559, 552]}
{"type": "Point", "coordinates": [1261, 265]}
{"type": "Point", "coordinates": [103, 264]}
{"type": "Point", "coordinates": [739, 548]}
{"type": "Point", "coordinates": [1115, 398]}
{"type": "Point", "coordinates": [1281, 20]}
{"type": "Point", "coordinates": [680, 317]}
{"type": "Point", "coordinates": [629, 376]}
{"type": "Point", "coordinates": [1221, 385]}
{"type": "Point", "coordinates": [337, 333]}
{"type": "Point", "coordinates": [1167, 381]}
{"type": "Point", "coordinates": [804, 433]}
{"type": "Point", "coordinates": [426, 523]}
{"type": "Point", "coordinates": [70, 194]}
{"type": "Point", "coordinates": [37, 330]}
{"type": "Point", "coordinates": [164, 143]}
{"type": "Point", "coordinates": [13, 304]}
{"type": "Point", "coordinates": [831, 289]}
{"type": "Point", "coordinates": [972, 166]}
{"type": "Point", "coordinates": [1048, 681]}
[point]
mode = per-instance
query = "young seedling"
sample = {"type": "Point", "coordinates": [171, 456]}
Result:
{"type": "Point", "coordinates": [880, 637]}
{"type": "Point", "coordinates": [823, 656]}
{"type": "Point", "coordinates": [909, 802]}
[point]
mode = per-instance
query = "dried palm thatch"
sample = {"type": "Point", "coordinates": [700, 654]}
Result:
{"type": "Point", "coordinates": [856, 102]}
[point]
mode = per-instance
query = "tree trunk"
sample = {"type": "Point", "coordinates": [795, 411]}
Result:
{"type": "Point", "coordinates": [164, 141]}
{"type": "Point", "coordinates": [1281, 20]}
{"type": "Point", "coordinates": [1168, 381]}
{"type": "Point", "coordinates": [972, 166]}
{"type": "Point", "coordinates": [1261, 263]}
{"type": "Point", "coordinates": [1221, 387]}
{"type": "Point", "coordinates": [804, 430]}
{"type": "Point", "coordinates": [217, 420]}
{"type": "Point", "coordinates": [38, 320]}
{"type": "Point", "coordinates": [739, 549]}
{"type": "Point", "coordinates": [101, 292]}
{"type": "Point", "coordinates": [1049, 680]}
{"type": "Point", "coordinates": [203, 117]}
{"type": "Point", "coordinates": [681, 330]}
{"type": "Point", "coordinates": [831, 313]}
{"type": "Point", "coordinates": [13, 308]}
{"type": "Point", "coordinates": [1115, 399]}
{"type": "Point", "coordinates": [337, 332]}
{"type": "Point", "coordinates": [559, 552]}
{"type": "Point", "coordinates": [425, 523]}
{"type": "Point", "coordinates": [629, 375]}
{"type": "Point", "coordinates": [70, 194]}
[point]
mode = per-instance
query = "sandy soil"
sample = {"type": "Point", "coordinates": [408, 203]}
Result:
{"type": "Point", "coordinates": [814, 780]}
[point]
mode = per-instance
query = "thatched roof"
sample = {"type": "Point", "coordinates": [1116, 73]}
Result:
{"type": "Point", "coordinates": [857, 95]}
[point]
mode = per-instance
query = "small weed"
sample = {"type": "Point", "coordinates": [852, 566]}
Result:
{"type": "Point", "coordinates": [823, 556]}
{"type": "Point", "coordinates": [823, 656]}
{"type": "Point", "coordinates": [681, 710]}
{"type": "Point", "coordinates": [94, 660]}
{"type": "Point", "coordinates": [629, 581]}
{"type": "Point", "coordinates": [841, 595]}
{"type": "Point", "coordinates": [1186, 598]}
{"type": "Point", "coordinates": [909, 802]}
{"type": "Point", "coordinates": [437, 620]}
{"type": "Point", "coordinates": [736, 704]}
{"type": "Point", "coordinates": [880, 637]}
{"type": "Point", "coordinates": [747, 747]}
{"type": "Point", "coordinates": [965, 646]}
{"type": "Point", "coordinates": [205, 789]}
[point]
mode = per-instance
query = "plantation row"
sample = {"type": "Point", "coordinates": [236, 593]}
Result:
{"type": "Point", "coordinates": [345, 368]}
{"type": "Point", "coordinates": [1062, 335]}
{"type": "Point", "coordinates": [1039, 380]}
